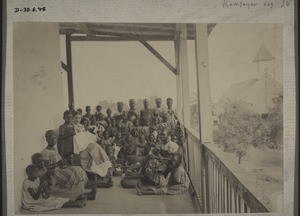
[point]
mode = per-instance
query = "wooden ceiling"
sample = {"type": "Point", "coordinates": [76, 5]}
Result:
{"type": "Point", "coordinates": [125, 31]}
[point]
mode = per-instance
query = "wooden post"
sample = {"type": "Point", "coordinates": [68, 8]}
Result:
{"type": "Point", "coordinates": [184, 74]}
{"type": "Point", "coordinates": [203, 83]}
{"type": "Point", "coordinates": [178, 78]}
{"type": "Point", "coordinates": [70, 72]}
{"type": "Point", "coordinates": [204, 103]}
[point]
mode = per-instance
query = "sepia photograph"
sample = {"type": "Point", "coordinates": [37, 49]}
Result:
{"type": "Point", "coordinates": [148, 118]}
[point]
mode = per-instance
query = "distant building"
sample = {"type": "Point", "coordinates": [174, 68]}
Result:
{"type": "Point", "coordinates": [258, 92]}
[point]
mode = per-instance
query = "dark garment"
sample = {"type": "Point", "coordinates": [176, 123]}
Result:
{"type": "Point", "coordinates": [113, 130]}
{"type": "Point", "coordinates": [90, 116]}
{"type": "Point", "coordinates": [100, 116]}
{"type": "Point", "coordinates": [133, 114]}
{"type": "Point", "coordinates": [65, 145]}
{"type": "Point", "coordinates": [146, 114]}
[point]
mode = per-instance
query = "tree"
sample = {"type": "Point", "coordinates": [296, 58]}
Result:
{"type": "Point", "coordinates": [237, 129]}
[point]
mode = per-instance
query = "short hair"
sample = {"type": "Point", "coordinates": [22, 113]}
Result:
{"type": "Point", "coordinates": [119, 103]}
{"type": "Point", "coordinates": [169, 99]}
{"type": "Point", "coordinates": [35, 158]}
{"type": "Point", "coordinates": [108, 109]}
{"type": "Point", "coordinates": [158, 99]}
{"type": "Point", "coordinates": [146, 100]}
{"type": "Point", "coordinates": [30, 169]}
{"type": "Point", "coordinates": [84, 119]}
{"type": "Point", "coordinates": [49, 133]}
{"type": "Point", "coordinates": [131, 101]}
{"type": "Point", "coordinates": [98, 106]}
{"type": "Point", "coordinates": [66, 113]}
{"type": "Point", "coordinates": [77, 113]}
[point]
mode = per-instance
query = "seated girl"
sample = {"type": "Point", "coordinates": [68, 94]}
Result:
{"type": "Point", "coordinates": [125, 125]}
{"type": "Point", "coordinates": [38, 160]}
{"type": "Point", "coordinates": [113, 129]}
{"type": "Point", "coordinates": [117, 144]}
{"type": "Point", "coordinates": [146, 127]}
{"type": "Point", "coordinates": [50, 153]}
{"type": "Point", "coordinates": [69, 182]}
{"type": "Point", "coordinates": [142, 148]}
{"type": "Point", "coordinates": [176, 182]}
{"type": "Point", "coordinates": [66, 133]}
{"type": "Point", "coordinates": [86, 123]}
{"type": "Point", "coordinates": [34, 197]}
{"type": "Point", "coordinates": [106, 140]}
{"type": "Point", "coordinates": [136, 127]}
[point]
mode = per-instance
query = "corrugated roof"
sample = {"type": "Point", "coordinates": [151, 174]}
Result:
{"type": "Point", "coordinates": [263, 55]}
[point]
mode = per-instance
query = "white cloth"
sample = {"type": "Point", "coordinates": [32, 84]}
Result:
{"type": "Point", "coordinates": [171, 147]}
{"type": "Point", "coordinates": [41, 204]}
{"type": "Point", "coordinates": [82, 140]}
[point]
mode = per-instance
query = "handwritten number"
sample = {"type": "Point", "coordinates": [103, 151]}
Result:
{"type": "Point", "coordinates": [285, 3]}
{"type": "Point", "coordinates": [17, 10]}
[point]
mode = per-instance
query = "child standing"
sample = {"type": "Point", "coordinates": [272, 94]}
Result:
{"type": "Point", "coordinates": [50, 154]}
{"type": "Point", "coordinates": [35, 199]}
{"type": "Point", "coordinates": [66, 133]}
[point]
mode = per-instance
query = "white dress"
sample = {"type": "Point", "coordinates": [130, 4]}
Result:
{"type": "Point", "coordinates": [41, 204]}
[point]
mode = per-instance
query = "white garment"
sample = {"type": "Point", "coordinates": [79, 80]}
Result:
{"type": "Point", "coordinates": [82, 139]}
{"type": "Point", "coordinates": [41, 204]}
{"type": "Point", "coordinates": [171, 147]}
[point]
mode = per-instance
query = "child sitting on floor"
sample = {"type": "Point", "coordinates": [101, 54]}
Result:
{"type": "Point", "coordinates": [106, 140]}
{"type": "Point", "coordinates": [146, 127]}
{"type": "Point", "coordinates": [38, 160]}
{"type": "Point", "coordinates": [141, 149]}
{"type": "Point", "coordinates": [113, 129]}
{"type": "Point", "coordinates": [34, 197]}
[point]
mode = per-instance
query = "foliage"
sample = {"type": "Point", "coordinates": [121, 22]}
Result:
{"type": "Point", "coordinates": [239, 127]}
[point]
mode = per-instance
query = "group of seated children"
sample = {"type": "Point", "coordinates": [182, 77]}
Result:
{"type": "Point", "coordinates": [145, 146]}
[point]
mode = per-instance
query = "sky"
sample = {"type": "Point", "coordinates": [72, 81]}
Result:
{"type": "Point", "coordinates": [118, 71]}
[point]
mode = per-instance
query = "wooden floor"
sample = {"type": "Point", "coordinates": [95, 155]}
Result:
{"type": "Point", "coordinates": [118, 200]}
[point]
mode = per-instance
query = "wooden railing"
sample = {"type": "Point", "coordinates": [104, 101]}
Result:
{"type": "Point", "coordinates": [215, 186]}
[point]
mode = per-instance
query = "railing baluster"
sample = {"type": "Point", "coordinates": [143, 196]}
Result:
{"type": "Point", "coordinates": [221, 191]}
{"type": "Point", "coordinates": [218, 190]}
{"type": "Point", "coordinates": [224, 194]}
{"type": "Point", "coordinates": [227, 197]}
{"type": "Point", "coordinates": [239, 203]}
{"type": "Point", "coordinates": [215, 188]}
{"type": "Point", "coordinates": [235, 201]}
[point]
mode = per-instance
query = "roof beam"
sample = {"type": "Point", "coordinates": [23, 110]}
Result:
{"type": "Point", "coordinates": [122, 38]}
{"type": "Point", "coordinates": [157, 55]}
{"type": "Point", "coordinates": [85, 29]}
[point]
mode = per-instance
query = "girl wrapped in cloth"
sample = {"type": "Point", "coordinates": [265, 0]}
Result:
{"type": "Point", "coordinates": [176, 182]}
{"type": "Point", "coordinates": [68, 183]}
{"type": "Point", "coordinates": [93, 158]}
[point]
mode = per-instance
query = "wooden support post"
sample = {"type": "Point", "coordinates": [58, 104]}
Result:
{"type": "Point", "coordinates": [184, 74]}
{"type": "Point", "coordinates": [69, 65]}
{"type": "Point", "coordinates": [178, 78]}
{"type": "Point", "coordinates": [203, 83]}
{"type": "Point", "coordinates": [204, 103]}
